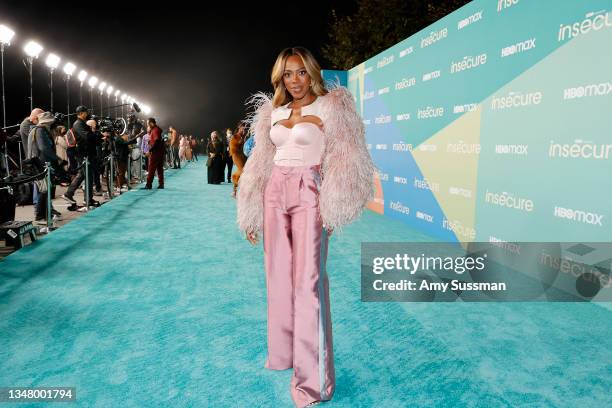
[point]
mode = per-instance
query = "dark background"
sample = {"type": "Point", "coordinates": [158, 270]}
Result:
{"type": "Point", "coordinates": [194, 65]}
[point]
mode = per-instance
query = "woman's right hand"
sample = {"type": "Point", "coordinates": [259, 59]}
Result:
{"type": "Point", "coordinates": [212, 155]}
{"type": "Point", "coordinates": [252, 237]}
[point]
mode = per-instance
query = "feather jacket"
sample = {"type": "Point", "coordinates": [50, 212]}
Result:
{"type": "Point", "coordinates": [347, 170]}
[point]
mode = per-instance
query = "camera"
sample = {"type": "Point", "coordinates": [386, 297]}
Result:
{"type": "Point", "coordinates": [110, 125]}
{"type": "Point", "coordinates": [60, 118]}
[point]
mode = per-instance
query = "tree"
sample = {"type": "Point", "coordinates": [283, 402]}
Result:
{"type": "Point", "coordinates": [378, 25]}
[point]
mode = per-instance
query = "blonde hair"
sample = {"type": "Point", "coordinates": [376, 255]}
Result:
{"type": "Point", "coordinates": [281, 95]}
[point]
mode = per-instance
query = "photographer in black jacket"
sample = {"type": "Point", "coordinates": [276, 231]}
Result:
{"type": "Point", "coordinates": [84, 136]}
{"type": "Point", "coordinates": [94, 152]}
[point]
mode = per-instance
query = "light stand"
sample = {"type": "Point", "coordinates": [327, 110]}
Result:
{"type": "Point", "coordinates": [101, 104]}
{"type": "Point", "coordinates": [51, 86]}
{"type": "Point", "coordinates": [30, 63]}
{"type": "Point", "coordinates": [101, 88]}
{"type": "Point", "coordinates": [109, 90]}
{"type": "Point", "coordinates": [117, 92]}
{"type": "Point", "coordinates": [7, 34]}
{"type": "Point", "coordinates": [6, 165]}
{"type": "Point", "coordinates": [91, 100]}
{"type": "Point", "coordinates": [3, 96]}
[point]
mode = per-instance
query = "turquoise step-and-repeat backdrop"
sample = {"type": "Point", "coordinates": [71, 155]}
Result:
{"type": "Point", "coordinates": [495, 122]}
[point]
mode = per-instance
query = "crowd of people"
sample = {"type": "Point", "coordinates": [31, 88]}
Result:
{"type": "Point", "coordinates": [45, 138]}
{"type": "Point", "coordinates": [67, 145]}
{"type": "Point", "coordinates": [183, 148]}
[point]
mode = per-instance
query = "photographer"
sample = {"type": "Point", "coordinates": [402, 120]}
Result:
{"type": "Point", "coordinates": [94, 153]}
{"type": "Point", "coordinates": [25, 127]}
{"type": "Point", "coordinates": [134, 126]}
{"type": "Point", "coordinates": [83, 135]}
{"type": "Point", "coordinates": [107, 149]}
{"type": "Point", "coordinates": [40, 146]}
{"type": "Point", "coordinates": [122, 144]}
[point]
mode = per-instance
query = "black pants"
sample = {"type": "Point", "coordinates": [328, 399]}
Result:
{"type": "Point", "coordinates": [95, 167]}
{"type": "Point", "coordinates": [78, 179]}
{"type": "Point", "coordinates": [155, 165]}
{"type": "Point", "coordinates": [72, 160]}
{"type": "Point", "coordinates": [176, 159]}
{"type": "Point", "coordinates": [230, 165]}
{"type": "Point", "coordinates": [40, 210]}
{"type": "Point", "coordinates": [216, 170]}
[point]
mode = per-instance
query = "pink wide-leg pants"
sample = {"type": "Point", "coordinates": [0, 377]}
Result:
{"type": "Point", "coordinates": [295, 252]}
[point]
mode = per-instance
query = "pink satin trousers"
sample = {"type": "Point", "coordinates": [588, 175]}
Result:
{"type": "Point", "coordinates": [295, 252]}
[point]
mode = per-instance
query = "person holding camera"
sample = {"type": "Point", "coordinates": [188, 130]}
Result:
{"type": "Point", "coordinates": [83, 134]}
{"type": "Point", "coordinates": [122, 148]}
{"type": "Point", "coordinates": [40, 145]}
{"type": "Point", "coordinates": [94, 153]}
{"type": "Point", "coordinates": [107, 149]}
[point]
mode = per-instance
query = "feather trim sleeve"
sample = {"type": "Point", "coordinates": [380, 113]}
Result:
{"type": "Point", "coordinates": [347, 168]}
{"type": "Point", "coordinates": [258, 167]}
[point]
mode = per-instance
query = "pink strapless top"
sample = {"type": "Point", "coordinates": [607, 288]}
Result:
{"type": "Point", "coordinates": [302, 145]}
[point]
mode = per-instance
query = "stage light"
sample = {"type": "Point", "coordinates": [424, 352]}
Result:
{"type": "Point", "coordinates": [123, 97]}
{"type": "Point", "coordinates": [82, 75]}
{"type": "Point", "coordinates": [6, 35]}
{"type": "Point", "coordinates": [109, 90]}
{"type": "Point", "coordinates": [117, 92]}
{"type": "Point", "coordinates": [33, 49]}
{"type": "Point", "coordinates": [92, 82]}
{"type": "Point", "coordinates": [102, 86]}
{"type": "Point", "coordinates": [69, 68]}
{"type": "Point", "coordinates": [146, 109]}
{"type": "Point", "coordinates": [53, 61]}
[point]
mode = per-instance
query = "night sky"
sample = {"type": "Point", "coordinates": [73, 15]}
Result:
{"type": "Point", "coordinates": [195, 67]}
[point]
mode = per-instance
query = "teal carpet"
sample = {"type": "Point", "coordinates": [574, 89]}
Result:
{"type": "Point", "coordinates": [155, 299]}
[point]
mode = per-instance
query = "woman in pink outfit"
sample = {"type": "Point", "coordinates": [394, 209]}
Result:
{"type": "Point", "coordinates": [309, 173]}
{"type": "Point", "coordinates": [183, 148]}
